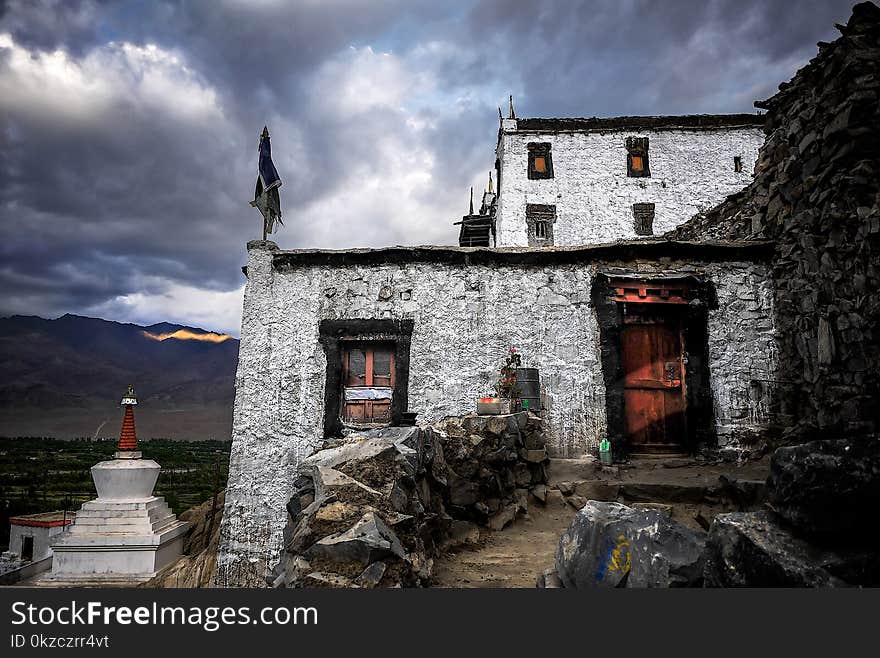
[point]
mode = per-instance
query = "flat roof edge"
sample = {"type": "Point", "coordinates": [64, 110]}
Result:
{"type": "Point", "coordinates": [686, 122]}
{"type": "Point", "coordinates": [736, 250]}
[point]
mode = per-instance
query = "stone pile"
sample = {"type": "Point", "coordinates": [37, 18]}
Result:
{"type": "Point", "coordinates": [492, 464]}
{"type": "Point", "coordinates": [819, 528]}
{"type": "Point", "coordinates": [816, 530]}
{"type": "Point", "coordinates": [375, 508]}
{"type": "Point", "coordinates": [816, 195]}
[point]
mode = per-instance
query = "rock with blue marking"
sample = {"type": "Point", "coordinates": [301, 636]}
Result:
{"type": "Point", "coordinates": [611, 545]}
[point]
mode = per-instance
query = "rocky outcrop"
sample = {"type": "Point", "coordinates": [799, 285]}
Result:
{"type": "Point", "coordinates": [819, 530]}
{"type": "Point", "coordinates": [374, 509]}
{"type": "Point", "coordinates": [197, 565]}
{"type": "Point", "coordinates": [827, 489]}
{"type": "Point", "coordinates": [757, 550]}
{"type": "Point", "coordinates": [816, 194]}
{"type": "Point", "coordinates": [611, 545]}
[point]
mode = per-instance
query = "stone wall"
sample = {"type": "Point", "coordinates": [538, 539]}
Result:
{"type": "Point", "coordinates": [466, 315]}
{"type": "Point", "coordinates": [376, 508]}
{"type": "Point", "coordinates": [817, 195]}
{"type": "Point", "coordinates": [691, 171]}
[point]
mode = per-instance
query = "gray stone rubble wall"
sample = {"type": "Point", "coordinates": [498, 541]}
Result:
{"type": "Point", "coordinates": [816, 194]}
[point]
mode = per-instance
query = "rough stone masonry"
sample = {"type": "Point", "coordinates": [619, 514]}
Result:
{"type": "Point", "coordinates": [816, 196]}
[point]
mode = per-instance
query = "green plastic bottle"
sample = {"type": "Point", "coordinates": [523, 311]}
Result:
{"type": "Point", "coordinates": [605, 452]}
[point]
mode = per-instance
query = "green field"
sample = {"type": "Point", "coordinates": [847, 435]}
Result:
{"type": "Point", "coordinates": [44, 474]}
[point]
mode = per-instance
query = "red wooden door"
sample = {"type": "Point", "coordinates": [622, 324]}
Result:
{"type": "Point", "coordinates": [654, 390]}
{"type": "Point", "coordinates": [368, 384]}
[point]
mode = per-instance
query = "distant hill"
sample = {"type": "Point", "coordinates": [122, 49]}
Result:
{"type": "Point", "coordinates": [65, 378]}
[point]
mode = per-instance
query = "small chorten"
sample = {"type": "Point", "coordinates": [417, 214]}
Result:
{"type": "Point", "coordinates": [126, 534]}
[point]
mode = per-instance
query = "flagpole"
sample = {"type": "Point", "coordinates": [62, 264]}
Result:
{"type": "Point", "coordinates": [266, 196]}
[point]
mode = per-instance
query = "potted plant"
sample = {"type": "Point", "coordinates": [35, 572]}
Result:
{"type": "Point", "coordinates": [506, 390]}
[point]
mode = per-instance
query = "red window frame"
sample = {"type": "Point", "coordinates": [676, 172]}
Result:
{"type": "Point", "coordinates": [367, 411]}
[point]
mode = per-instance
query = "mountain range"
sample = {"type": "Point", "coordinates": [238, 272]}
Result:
{"type": "Point", "coordinates": [65, 378]}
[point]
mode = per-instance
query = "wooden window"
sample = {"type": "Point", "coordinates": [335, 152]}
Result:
{"type": "Point", "coordinates": [368, 383]}
{"type": "Point", "coordinates": [540, 160]}
{"type": "Point", "coordinates": [539, 224]}
{"type": "Point", "coordinates": [356, 367]}
{"type": "Point", "coordinates": [643, 218]}
{"type": "Point", "coordinates": [737, 164]}
{"type": "Point", "coordinates": [637, 165]}
{"type": "Point", "coordinates": [382, 371]}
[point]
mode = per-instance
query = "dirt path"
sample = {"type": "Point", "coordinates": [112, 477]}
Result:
{"type": "Point", "coordinates": [510, 558]}
{"type": "Point", "coordinates": [516, 555]}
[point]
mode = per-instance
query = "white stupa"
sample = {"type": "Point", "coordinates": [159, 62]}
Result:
{"type": "Point", "coordinates": [126, 534]}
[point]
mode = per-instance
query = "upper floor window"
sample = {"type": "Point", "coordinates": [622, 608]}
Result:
{"type": "Point", "coordinates": [637, 157]}
{"type": "Point", "coordinates": [540, 160]}
{"type": "Point", "coordinates": [643, 218]}
{"type": "Point", "coordinates": [539, 222]}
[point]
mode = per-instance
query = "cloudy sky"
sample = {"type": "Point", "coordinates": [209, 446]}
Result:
{"type": "Point", "coordinates": [128, 131]}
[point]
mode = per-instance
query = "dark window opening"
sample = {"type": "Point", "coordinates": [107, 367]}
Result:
{"type": "Point", "coordinates": [367, 372]}
{"type": "Point", "coordinates": [643, 218]}
{"type": "Point", "coordinates": [27, 549]}
{"type": "Point", "coordinates": [539, 223]}
{"type": "Point", "coordinates": [540, 160]}
{"type": "Point", "coordinates": [737, 164]}
{"type": "Point", "coordinates": [637, 157]}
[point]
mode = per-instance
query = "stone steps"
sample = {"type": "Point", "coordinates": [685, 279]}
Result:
{"type": "Point", "coordinates": [104, 504]}
{"type": "Point", "coordinates": [156, 510]}
{"type": "Point", "coordinates": [124, 521]}
{"type": "Point", "coordinates": [748, 492]}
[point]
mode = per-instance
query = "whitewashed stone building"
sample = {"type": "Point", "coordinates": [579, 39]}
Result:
{"type": "Point", "coordinates": [654, 344]}
{"type": "Point", "coordinates": [566, 182]}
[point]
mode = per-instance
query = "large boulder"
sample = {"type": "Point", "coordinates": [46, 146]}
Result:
{"type": "Point", "coordinates": [365, 542]}
{"type": "Point", "coordinates": [755, 549]}
{"type": "Point", "coordinates": [829, 489]}
{"type": "Point", "coordinates": [611, 545]}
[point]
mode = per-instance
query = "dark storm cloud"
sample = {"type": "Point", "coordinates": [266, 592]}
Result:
{"type": "Point", "coordinates": [643, 57]}
{"type": "Point", "coordinates": [128, 130]}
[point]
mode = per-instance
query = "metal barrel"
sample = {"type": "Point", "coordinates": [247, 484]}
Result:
{"type": "Point", "coordinates": [529, 383]}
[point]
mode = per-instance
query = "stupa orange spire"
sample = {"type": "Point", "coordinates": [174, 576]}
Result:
{"type": "Point", "coordinates": [128, 437]}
